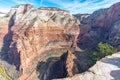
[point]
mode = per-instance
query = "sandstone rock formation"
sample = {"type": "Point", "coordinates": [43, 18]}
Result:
{"type": "Point", "coordinates": [107, 68]}
{"type": "Point", "coordinates": [63, 67]}
{"type": "Point", "coordinates": [102, 25]}
{"type": "Point", "coordinates": [32, 31]}
{"type": "Point", "coordinates": [69, 63]}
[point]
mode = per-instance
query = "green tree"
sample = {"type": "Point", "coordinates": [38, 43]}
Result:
{"type": "Point", "coordinates": [103, 49]}
{"type": "Point", "coordinates": [93, 56]}
{"type": "Point", "coordinates": [106, 49]}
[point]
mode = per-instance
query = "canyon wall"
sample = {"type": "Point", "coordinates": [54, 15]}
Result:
{"type": "Point", "coordinates": [34, 31]}
{"type": "Point", "coordinates": [103, 25]}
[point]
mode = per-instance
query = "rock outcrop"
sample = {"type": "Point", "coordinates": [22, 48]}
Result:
{"type": "Point", "coordinates": [62, 67]}
{"type": "Point", "coordinates": [107, 68]}
{"type": "Point", "coordinates": [102, 25]}
{"type": "Point", "coordinates": [33, 31]}
{"type": "Point", "coordinates": [69, 64]}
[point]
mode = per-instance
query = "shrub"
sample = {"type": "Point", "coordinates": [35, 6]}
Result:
{"type": "Point", "coordinates": [93, 56]}
{"type": "Point", "coordinates": [103, 49]}
{"type": "Point", "coordinates": [106, 49]}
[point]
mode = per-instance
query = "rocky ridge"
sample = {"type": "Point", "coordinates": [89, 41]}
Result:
{"type": "Point", "coordinates": [52, 9]}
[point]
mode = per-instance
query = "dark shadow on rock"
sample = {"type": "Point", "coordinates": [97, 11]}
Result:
{"type": "Point", "coordinates": [82, 60]}
{"type": "Point", "coordinates": [55, 68]}
{"type": "Point", "coordinates": [92, 37]}
{"type": "Point", "coordinates": [79, 66]}
{"type": "Point", "coordinates": [7, 39]}
{"type": "Point", "coordinates": [50, 69]}
{"type": "Point", "coordinates": [113, 61]}
{"type": "Point", "coordinates": [115, 74]}
{"type": "Point", "coordinates": [116, 62]}
{"type": "Point", "coordinates": [9, 56]}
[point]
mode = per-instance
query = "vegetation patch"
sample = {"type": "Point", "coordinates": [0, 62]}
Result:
{"type": "Point", "coordinates": [102, 50]}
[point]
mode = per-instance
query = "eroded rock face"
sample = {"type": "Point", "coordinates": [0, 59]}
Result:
{"type": "Point", "coordinates": [34, 31]}
{"type": "Point", "coordinates": [62, 67]}
{"type": "Point", "coordinates": [102, 25]}
{"type": "Point", "coordinates": [69, 63]}
{"type": "Point", "coordinates": [107, 68]}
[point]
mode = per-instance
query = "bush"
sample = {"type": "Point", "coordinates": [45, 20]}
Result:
{"type": "Point", "coordinates": [106, 49]}
{"type": "Point", "coordinates": [103, 49]}
{"type": "Point", "coordinates": [93, 56]}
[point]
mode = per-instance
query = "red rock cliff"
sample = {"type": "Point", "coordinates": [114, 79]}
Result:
{"type": "Point", "coordinates": [35, 31]}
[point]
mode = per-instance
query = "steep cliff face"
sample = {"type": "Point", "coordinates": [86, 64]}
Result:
{"type": "Point", "coordinates": [102, 25]}
{"type": "Point", "coordinates": [34, 31]}
{"type": "Point", "coordinates": [62, 67]}
{"type": "Point", "coordinates": [68, 62]}
{"type": "Point", "coordinates": [107, 68]}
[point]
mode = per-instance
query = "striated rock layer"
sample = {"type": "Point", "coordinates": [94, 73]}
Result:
{"type": "Point", "coordinates": [34, 31]}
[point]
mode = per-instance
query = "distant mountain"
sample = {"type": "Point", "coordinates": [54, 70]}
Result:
{"type": "Point", "coordinates": [103, 25]}
{"type": "Point", "coordinates": [81, 17]}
